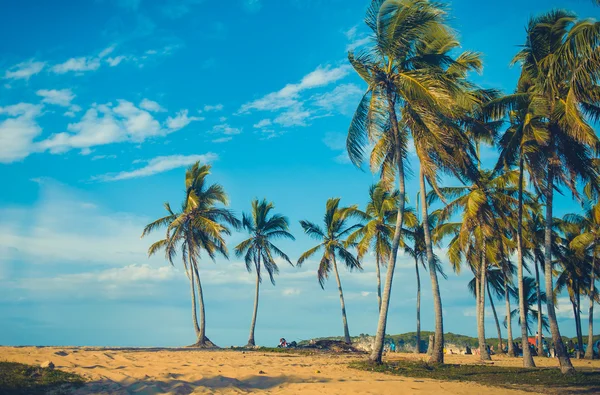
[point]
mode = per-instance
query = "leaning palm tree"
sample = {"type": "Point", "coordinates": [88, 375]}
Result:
{"type": "Point", "coordinates": [258, 250]}
{"type": "Point", "coordinates": [393, 78]}
{"type": "Point", "coordinates": [331, 241]}
{"type": "Point", "coordinates": [198, 227]}
{"type": "Point", "coordinates": [560, 59]}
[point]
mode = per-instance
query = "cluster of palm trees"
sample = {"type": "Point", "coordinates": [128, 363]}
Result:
{"type": "Point", "coordinates": [498, 222]}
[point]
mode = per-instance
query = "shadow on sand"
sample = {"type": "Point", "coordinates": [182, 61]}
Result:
{"type": "Point", "coordinates": [214, 383]}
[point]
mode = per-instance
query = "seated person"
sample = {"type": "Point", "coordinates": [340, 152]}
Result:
{"type": "Point", "coordinates": [282, 343]}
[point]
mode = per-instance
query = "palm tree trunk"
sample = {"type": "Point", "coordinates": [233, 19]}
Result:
{"type": "Point", "coordinates": [589, 352]}
{"type": "Point", "coordinates": [538, 291]}
{"type": "Point", "coordinates": [418, 346]}
{"type": "Point", "coordinates": [563, 358]}
{"type": "Point", "coordinates": [378, 270]}
{"type": "Point", "coordinates": [438, 347]}
{"type": "Point", "coordinates": [387, 290]}
{"type": "Point", "coordinates": [578, 326]}
{"type": "Point", "coordinates": [203, 341]}
{"type": "Point", "coordinates": [574, 305]}
{"type": "Point", "coordinates": [527, 358]}
{"type": "Point", "coordinates": [253, 324]}
{"type": "Point", "coordinates": [194, 312]}
{"type": "Point", "coordinates": [484, 355]}
{"type": "Point", "coordinates": [509, 336]}
{"type": "Point", "coordinates": [500, 342]}
{"type": "Point", "coordinates": [344, 319]}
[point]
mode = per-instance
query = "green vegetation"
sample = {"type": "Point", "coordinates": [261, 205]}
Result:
{"type": "Point", "coordinates": [18, 378]}
{"type": "Point", "coordinates": [516, 378]}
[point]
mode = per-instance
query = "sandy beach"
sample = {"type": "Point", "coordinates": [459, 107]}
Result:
{"type": "Point", "coordinates": [185, 371]}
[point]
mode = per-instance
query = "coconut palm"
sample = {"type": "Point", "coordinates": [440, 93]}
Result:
{"type": "Point", "coordinates": [484, 233]}
{"type": "Point", "coordinates": [394, 77]}
{"type": "Point", "coordinates": [378, 230]}
{"type": "Point", "coordinates": [560, 59]}
{"type": "Point", "coordinates": [258, 250]}
{"type": "Point", "coordinates": [198, 227]}
{"type": "Point", "coordinates": [588, 242]}
{"type": "Point", "coordinates": [331, 241]}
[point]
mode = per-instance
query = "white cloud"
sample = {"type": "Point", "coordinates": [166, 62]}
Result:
{"type": "Point", "coordinates": [357, 43]}
{"type": "Point", "coordinates": [342, 98]}
{"type": "Point", "coordinates": [288, 95]}
{"type": "Point", "coordinates": [291, 292]}
{"type": "Point", "coordinates": [98, 157]}
{"type": "Point", "coordinates": [296, 116]}
{"type": "Point", "coordinates": [268, 134]}
{"type": "Point", "coordinates": [151, 106]}
{"type": "Point", "coordinates": [226, 130]}
{"type": "Point", "coordinates": [181, 120]}
{"type": "Point", "coordinates": [18, 131]}
{"type": "Point", "coordinates": [263, 123]}
{"type": "Point", "coordinates": [161, 164]}
{"type": "Point", "coordinates": [59, 97]}
{"type": "Point", "coordinates": [106, 124]}
{"type": "Point", "coordinates": [216, 107]}
{"type": "Point", "coordinates": [337, 142]}
{"type": "Point", "coordinates": [77, 64]}
{"type": "Point", "coordinates": [222, 139]}
{"type": "Point", "coordinates": [112, 62]}
{"type": "Point", "coordinates": [351, 33]}
{"type": "Point", "coordinates": [24, 70]}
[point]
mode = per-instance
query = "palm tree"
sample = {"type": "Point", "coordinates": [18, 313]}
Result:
{"type": "Point", "coordinates": [588, 242]}
{"type": "Point", "coordinates": [483, 235]}
{"type": "Point", "coordinates": [258, 250]}
{"type": "Point", "coordinates": [531, 314]}
{"type": "Point", "coordinates": [333, 245]}
{"type": "Point", "coordinates": [560, 59]}
{"type": "Point", "coordinates": [378, 231]}
{"type": "Point", "coordinates": [393, 79]}
{"type": "Point", "coordinates": [199, 226]}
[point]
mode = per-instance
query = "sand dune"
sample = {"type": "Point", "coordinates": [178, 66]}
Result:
{"type": "Point", "coordinates": [185, 371]}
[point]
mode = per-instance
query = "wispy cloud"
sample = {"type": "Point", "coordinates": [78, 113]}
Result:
{"type": "Point", "coordinates": [152, 106]}
{"type": "Point", "coordinates": [342, 99]}
{"type": "Point", "coordinates": [296, 116]}
{"type": "Point", "coordinates": [216, 107]}
{"type": "Point", "coordinates": [160, 164]}
{"type": "Point", "coordinates": [288, 96]}
{"type": "Point", "coordinates": [78, 65]}
{"type": "Point", "coordinates": [181, 120]}
{"type": "Point", "coordinates": [337, 142]}
{"type": "Point", "coordinates": [24, 70]}
{"type": "Point", "coordinates": [59, 97]}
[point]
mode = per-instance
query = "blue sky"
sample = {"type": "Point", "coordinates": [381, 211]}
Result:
{"type": "Point", "coordinates": [104, 103]}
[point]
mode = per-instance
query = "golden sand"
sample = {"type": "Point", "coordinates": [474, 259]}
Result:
{"type": "Point", "coordinates": [185, 371]}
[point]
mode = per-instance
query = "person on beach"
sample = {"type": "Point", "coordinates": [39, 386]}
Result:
{"type": "Point", "coordinates": [282, 343]}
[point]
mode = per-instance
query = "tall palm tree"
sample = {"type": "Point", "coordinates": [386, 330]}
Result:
{"type": "Point", "coordinates": [560, 59]}
{"type": "Point", "coordinates": [484, 232]}
{"type": "Point", "coordinates": [258, 250]}
{"type": "Point", "coordinates": [331, 241]}
{"type": "Point", "coordinates": [588, 242]}
{"type": "Point", "coordinates": [378, 230]}
{"type": "Point", "coordinates": [199, 226]}
{"type": "Point", "coordinates": [393, 79]}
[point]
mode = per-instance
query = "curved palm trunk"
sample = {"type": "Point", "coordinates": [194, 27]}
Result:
{"type": "Point", "coordinates": [484, 355]}
{"type": "Point", "coordinates": [509, 336]}
{"type": "Point", "coordinates": [194, 312]}
{"type": "Point", "coordinates": [344, 319]}
{"type": "Point", "coordinates": [589, 352]}
{"type": "Point", "coordinates": [561, 354]}
{"type": "Point", "coordinates": [540, 345]}
{"type": "Point", "coordinates": [378, 270]}
{"type": "Point", "coordinates": [387, 290]}
{"type": "Point", "coordinates": [527, 358]}
{"type": "Point", "coordinates": [500, 341]}
{"type": "Point", "coordinates": [438, 347]}
{"type": "Point", "coordinates": [418, 346]}
{"type": "Point", "coordinates": [203, 341]}
{"type": "Point", "coordinates": [253, 324]}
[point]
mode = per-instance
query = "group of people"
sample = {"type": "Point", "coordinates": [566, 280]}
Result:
{"type": "Point", "coordinates": [284, 344]}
